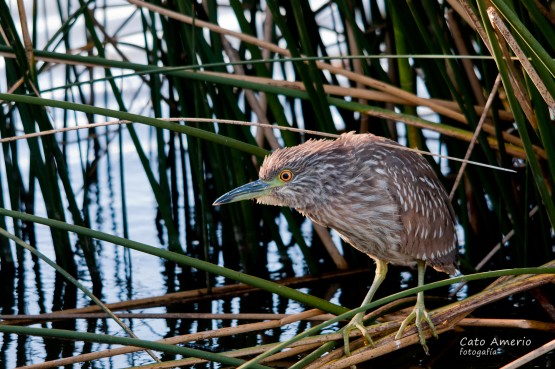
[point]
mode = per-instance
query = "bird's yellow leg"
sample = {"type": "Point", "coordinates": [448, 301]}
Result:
{"type": "Point", "coordinates": [357, 321]}
{"type": "Point", "coordinates": [419, 312]}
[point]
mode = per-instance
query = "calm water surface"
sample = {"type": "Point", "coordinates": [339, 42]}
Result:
{"type": "Point", "coordinates": [130, 275]}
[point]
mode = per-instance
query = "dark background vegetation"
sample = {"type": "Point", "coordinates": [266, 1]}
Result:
{"type": "Point", "coordinates": [419, 73]}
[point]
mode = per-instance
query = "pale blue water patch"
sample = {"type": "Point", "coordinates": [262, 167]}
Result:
{"type": "Point", "coordinates": [141, 210]}
{"type": "Point", "coordinates": [405, 279]}
{"type": "Point", "coordinates": [30, 295]}
{"type": "Point", "coordinates": [335, 299]}
{"type": "Point", "coordinates": [274, 265]}
{"type": "Point", "coordinates": [293, 307]}
{"type": "Point", "coordinates": [125, 274]}
{"type": "Point", "coordinates": [294, 251]}
{"type": "Point", "coordinates": [337, 241]}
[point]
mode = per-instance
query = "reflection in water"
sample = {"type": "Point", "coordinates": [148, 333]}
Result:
{"type": "Point", "coordinates": [130, 275]}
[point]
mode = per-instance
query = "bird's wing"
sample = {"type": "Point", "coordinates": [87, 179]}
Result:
{"type": "Point", "coordinates": [424, 209]}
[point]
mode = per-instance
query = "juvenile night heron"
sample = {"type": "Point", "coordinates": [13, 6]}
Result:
{"type": "Point", "coordinates": [384, 201]}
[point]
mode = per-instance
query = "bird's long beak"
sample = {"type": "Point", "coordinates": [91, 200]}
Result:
{"type": "Point", "coordinates": [245, 192]}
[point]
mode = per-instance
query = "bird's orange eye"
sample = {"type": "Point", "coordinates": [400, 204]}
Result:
{"type": "Point", "coordinates": [286, 175]}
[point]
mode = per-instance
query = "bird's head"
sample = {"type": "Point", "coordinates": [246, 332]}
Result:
{"type": "Point", "coordinates": [298, 177]}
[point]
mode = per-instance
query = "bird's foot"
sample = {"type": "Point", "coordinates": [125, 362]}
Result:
{"type": "Point", "coordinates": [418, 314]}
{"type": "Point", "coordinates": [355, 323]}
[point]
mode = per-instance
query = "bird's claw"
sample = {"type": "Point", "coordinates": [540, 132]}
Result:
{"type": "Point", "coordinates": [418, 314]}
{"type": "Point", "coordinates": [355, 323]}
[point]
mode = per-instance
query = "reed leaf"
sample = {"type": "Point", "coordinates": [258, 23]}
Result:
{"type": "Point", "coordinates": [183, 259]}
{"type": "Point", "coordinates": [417, 72]}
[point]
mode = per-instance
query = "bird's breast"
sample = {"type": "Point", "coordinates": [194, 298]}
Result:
{"type": "Point", "coordinates": [367, 222]}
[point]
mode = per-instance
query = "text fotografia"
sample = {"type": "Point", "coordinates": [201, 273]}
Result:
{"type": "Point", "coordinates": [480, 347]}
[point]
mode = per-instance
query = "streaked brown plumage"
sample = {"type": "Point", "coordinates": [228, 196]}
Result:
{"type": "Point", "coordinates": [385, 201]}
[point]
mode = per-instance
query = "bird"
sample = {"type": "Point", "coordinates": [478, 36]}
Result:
{"type": "Point", "coordinates": [382, 199]}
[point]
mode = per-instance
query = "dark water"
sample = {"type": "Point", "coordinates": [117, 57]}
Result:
{"type": "Point", "coordinates": [130, 275]}
{"type": "Point", "coordinates": [463, 348]}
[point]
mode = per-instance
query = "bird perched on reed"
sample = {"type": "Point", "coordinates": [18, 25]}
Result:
{"type": "Point", "coordinates": [385, 201]}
